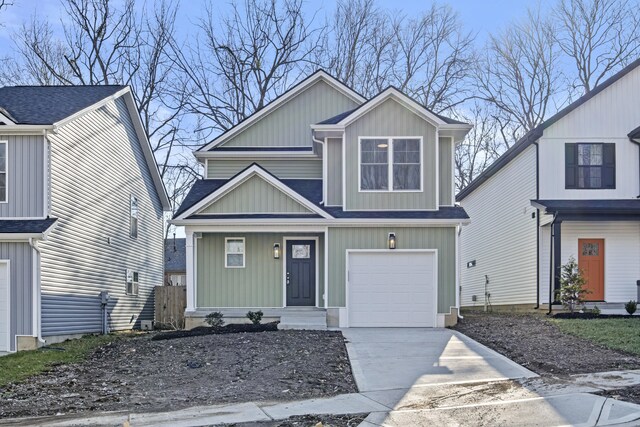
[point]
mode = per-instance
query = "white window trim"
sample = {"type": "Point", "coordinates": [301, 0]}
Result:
{"type": "Point", "coordinates": [133, 281]}
{"type": "Point", "coordinates": [6, 171]}
{"type": "Point", "coordinates": [244, 252]}
{"type": "Point", "coordinates": [390, 140]}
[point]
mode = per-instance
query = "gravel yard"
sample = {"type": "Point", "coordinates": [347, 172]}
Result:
{"type": "Point", "coordinates": [541, 346]}
{"type": "Point", "coordinates": [141, 375]}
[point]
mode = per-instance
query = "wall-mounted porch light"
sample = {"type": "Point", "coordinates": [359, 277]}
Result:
{"type": "Point", "coordinates": [392, 240]}
{"type": "Point", "coordinates": [276, 251]}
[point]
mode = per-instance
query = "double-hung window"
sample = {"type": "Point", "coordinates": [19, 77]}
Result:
{"type": "Point", "coordinates": [3, 171]}
{"type": "Point", "coordinates": [132, 282]}
{"type": "Point", "coordinates": [590, 166]}
{"type": "Point", "coordinates": [234, 252]}
{"type": "Point", "coordinates": [391, 164]}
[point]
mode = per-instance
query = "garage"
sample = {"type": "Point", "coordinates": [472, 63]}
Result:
{"type": "Point", "coordinates": [392, 288]}
{"type": "Point", "coordinates": [4, 306]}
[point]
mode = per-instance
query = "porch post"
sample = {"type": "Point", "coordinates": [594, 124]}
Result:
{"type": "Point", "coordinates": [191, 272]}
{"type": "Point", "coordinates": [557, 257]}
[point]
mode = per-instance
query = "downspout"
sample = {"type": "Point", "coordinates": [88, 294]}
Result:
{"type": "Point", "coordinates": [551, 266]}
{"type": "Point", "coordinates": [638, 143]}
{"type": "Point", "coordinates": [537, 227]}
{"type": "Point", "coordinates": [37, 292]}
{"type": "Point", "coordinates": [324, 165]}
{"type": "Point", "coordinates": [458, 288]}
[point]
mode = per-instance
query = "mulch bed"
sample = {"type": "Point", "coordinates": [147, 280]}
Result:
{"type": "Point", "coordinates": [142, 375]}
{"type": "Point", "coordinates": [352, 420]}
{"type": "Point", "coordinates": [540, 346]}
{"type": "Point", "coordinates": [233, 328]}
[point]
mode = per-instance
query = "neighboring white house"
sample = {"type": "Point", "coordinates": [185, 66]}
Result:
{"type": "Point", "coordinates": [569, 188]}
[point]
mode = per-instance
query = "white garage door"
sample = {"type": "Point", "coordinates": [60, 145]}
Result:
{"type": "Point", "coordinates": [4, 307]}
{"type": "Point", "coordinates": [392, 289]}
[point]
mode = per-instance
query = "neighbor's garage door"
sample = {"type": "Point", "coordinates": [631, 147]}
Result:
{"type": "Point", "coordinates": [392, 289]}
{"type": "Point", "coordinates": [4, 307]}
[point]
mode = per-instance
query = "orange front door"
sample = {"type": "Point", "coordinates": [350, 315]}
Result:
{"type": "Point", "coordinates": [591, 262]}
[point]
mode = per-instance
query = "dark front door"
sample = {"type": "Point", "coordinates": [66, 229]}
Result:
{"type": "Point", "coordinates": [300, 273]}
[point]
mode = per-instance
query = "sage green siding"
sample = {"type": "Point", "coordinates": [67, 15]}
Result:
{"type": "Point", "coordinates": [441, 238]}
{"type": "Point", "coordinates": [391, 119]}
{"type": "Point", "coordinates": [289, 124]}
{"type": "Point", "coordinates": [334, 172]}
{"type": "Point", "coordinates": [259, 284]}
{"type": "Point", "coordinates": [446, 172]}
{"type": "Point", "coordinates": [282, 168]}
{"type": "Point", "coordinates": [255, 195]}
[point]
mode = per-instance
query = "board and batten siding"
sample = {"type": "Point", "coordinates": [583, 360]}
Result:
{"type": "Point", "coordinates": [258, 285]}
{"type": "Point", "coordinates": [26, 186]}
{"type": "Point", "coordinates": [97, 163]}
{"type": "Point", "coordinates": [289, 124]}
{"type": "Point", "coordinates": [445, 152]}
{"type": "Point", "coordinates": [621, 254]}
{"type": "Point", "coordinates": [441, 238]}
{"type": "Point", "coordinates": [334, 172]}
{"type": "Point", "coordinates": [386, 120]}
{"type": "Point", "coordinates": [607, 117]}
{"type": "Point", "coordinates": [20, 256]}
{"type": "Point", "coordinates": [291, 168]}
{"type": "Point", "coordinates": [255, 195]}
{"type": "Point", "coordinates": [501, 237]}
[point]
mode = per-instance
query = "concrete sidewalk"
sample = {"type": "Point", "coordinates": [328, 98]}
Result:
{"type": "Point", "coordinates": [523, 402]}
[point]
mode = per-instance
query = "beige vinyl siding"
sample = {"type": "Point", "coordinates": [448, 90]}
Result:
{"type": "Point", "coordinates": [25, 167]}
{"type": "Point", "coordinates": [441, 238]}
{"type": "Point", "coordinates": [255, 196]}
{"type": "Point", "coordinates": [290, 168]}
{"type": "Point", "coordinates": [391, 119]}
{"type": "Point", "coordinates": [289, 124]}
{"type": "Point", "coordinates": [334, 172]}
{"type": "Point", "coordinates": [446, 171]}
{"type": "Point", "coordinates": [259, 284]}
{"type": "Point", "coordinates": [97, 163]}
{"type": "Point", "coordinates": [502, 236]}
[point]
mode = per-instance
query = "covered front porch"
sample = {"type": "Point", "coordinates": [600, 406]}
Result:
{"type": "Point", "coordinates": [279, 270]}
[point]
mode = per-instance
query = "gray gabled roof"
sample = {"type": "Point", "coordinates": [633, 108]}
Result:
{"type": "Point", "coordinates": [26, 226]}
{"type": "Point", "coordinates": [175, 255]}
{"type": "Point", "coordinates": [535, 134]}
{"type": "Point", "coordinates": [46, 105]}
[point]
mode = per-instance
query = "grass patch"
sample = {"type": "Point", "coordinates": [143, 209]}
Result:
{"type": "Point", "coordinates": [618, 334]}
{"type": "Point", "coordinates": [22, 365]}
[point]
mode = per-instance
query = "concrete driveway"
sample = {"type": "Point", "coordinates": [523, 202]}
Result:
{"type": "Point", "coordinates": [402, 358]}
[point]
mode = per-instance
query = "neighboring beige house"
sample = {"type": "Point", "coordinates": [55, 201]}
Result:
{"type": "Point", "coordinates": [326, 208]}
{"type": "Point", "coordinates": [81, 212]}
{"type": "Point", "coordinates": [569, 188]}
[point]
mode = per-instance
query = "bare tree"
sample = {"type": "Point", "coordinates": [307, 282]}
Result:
{"type": "Point", "coordinates": [599, 37]}
{"type": "Point", "coordinates": [519, 75]}
{"type": "Point", "coordinates": [243, 60]}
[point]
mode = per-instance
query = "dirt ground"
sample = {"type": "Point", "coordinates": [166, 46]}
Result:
{"type": "Point", "coordinates": [352, 420]}
{"type": "Point", "coordinates": [540, 346]}
{"type": "Point", "coordinates": [629, 394]}
{"type": "Point", "coordinates": [141, 375]}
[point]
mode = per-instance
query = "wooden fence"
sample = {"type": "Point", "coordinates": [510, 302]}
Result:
{"type": "Point", "coordinates": [171, 302]}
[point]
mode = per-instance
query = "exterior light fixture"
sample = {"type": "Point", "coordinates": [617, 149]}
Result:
{"type": "Point", "coordinates": [383, 145]}
{"type": "Point", "coordinates": [392, 240]}
{"type": "Point", "coordinates": [276, 251]}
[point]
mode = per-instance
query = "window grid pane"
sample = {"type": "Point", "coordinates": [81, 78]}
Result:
{"type": "Point", "coordinates": [374, 160]}
{"type": "Point", "coordinates": [406, 164]}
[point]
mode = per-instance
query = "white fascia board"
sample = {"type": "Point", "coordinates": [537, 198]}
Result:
{"type": "Point", "coordinates": [25, 129]}
{"type": "Point", "coordinates": [284, 155]}
{"type": "Point", "coordinates": [92, 107]}
{"type": "Point", "coordinates": [299, 88]}
{"type": "Point", "coordinates": [19, 237]}
{"type": "Point", "coordinates": [248, 173]}
{"type": "Point", "coordinates": [392, 93]}
{"type": "Point", "coordinates": [6, 119]}
{"type": "Point", "coordinates": [346, 222]}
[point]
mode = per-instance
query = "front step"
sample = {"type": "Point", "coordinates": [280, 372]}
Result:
{"type": "Point", "coordinates": [304, 319]}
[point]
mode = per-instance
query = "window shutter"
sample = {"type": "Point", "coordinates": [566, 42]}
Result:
{"type": "Point", "coordinates": [571, 165]}
{"type": "Point", "coordinates": [609, 166]}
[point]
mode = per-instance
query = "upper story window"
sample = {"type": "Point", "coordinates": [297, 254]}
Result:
{"type": "Point", "coordinates": [133, 217]}
{"type": "Point", "coordinates": [3, 171]}
{"type": "Point", "coordinates": [391, 164]}
{"type": "Point", "coordinates": [590, 166]}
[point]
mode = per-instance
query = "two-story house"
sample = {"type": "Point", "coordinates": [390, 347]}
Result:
{"type": "Point", "coordinates": [569, 188]}
{"type": "Point", "coordinates": [325, 205]}
{"type": "Point", "coordinates": [81, 212]}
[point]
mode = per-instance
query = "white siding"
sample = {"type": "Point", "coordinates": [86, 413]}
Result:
{"type": "Point", "coordinates": [502, 236]}
{"type": "Point", "coordinates": [96, 165]}
{"type": "Point", "coordinates": [607, 117]}
{"type": "Point", "coordinates": [621, 254]}
{"type": "Point", "coordinates": [545, 263]}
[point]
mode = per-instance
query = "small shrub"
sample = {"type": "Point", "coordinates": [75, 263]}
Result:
{"type": "Point", "coordinates": [596, 310]}
{"type": "Point", "coordinates": [631, 307]}
{"type": "Point", "coordinates": [572, 285]}
{"type": "Point", "coordinates": [255, 316]}
{"type": "Point", "coordinates": [214, 319]}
